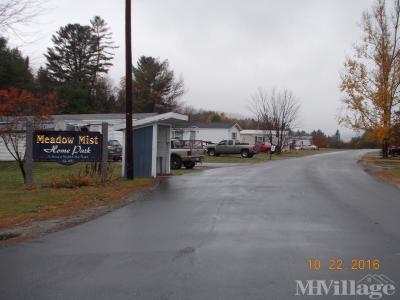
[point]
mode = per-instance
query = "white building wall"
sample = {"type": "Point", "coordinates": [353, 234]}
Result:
{"type": "Point", "coordinates": [5, 154]}
{"type": "Point", "coordinates": [247, 138]}
{"type": "Point", "coordinates": [95, 125]}
{"type": "Point", "coordinates": [163, 149]}
{"type": "Point", "coordinates": [304, 142]}
{"type": "Point", "coordinates": [234, 130]}
{"type": "Point", "coordinates": [251, 138]}
{"type": "Point", "coordinates": [154, 151]}
{"type": "Point", "coordinates": [214, 135]}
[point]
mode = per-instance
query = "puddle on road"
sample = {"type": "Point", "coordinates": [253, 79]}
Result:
{"type": "Point", "coordinates": [8, 235]}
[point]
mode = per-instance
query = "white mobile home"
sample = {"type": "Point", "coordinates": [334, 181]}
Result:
{"type": "Point", "coordinates": [92, 122]}
{"type": "Point", "coordinates": [260, 136]}
{"type": "Point", "coordinates": [305, 140]}
{"type": "Point", "coordinates": [210, 132]}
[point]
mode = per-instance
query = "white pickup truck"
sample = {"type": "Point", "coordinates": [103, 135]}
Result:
{"type": "Point", "coordinates": [186, 153]}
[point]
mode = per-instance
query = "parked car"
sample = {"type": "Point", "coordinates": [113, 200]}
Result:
{"type": "Point", "coordinates": [394, 151]}
{"type": "Point", "coordinates": [187, 153]}
{"type": "Point", "coordinates": [310, 147]}
{"type": "Point", "coordinates": [306, 147]}
{"type": "Point", "coordinates": [231, 147]}
{"type": "Point", "coordinates": [263, 147]}
{"type": "Point", "coordinates": [114, 150]}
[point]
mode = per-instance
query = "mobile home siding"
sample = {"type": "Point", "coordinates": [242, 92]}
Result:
{"type": "Point", "coordinates": [214, 135]}
{"type": "Point", "coordinates": [5, 155]}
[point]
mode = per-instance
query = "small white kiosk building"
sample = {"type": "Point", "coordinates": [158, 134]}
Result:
{"type": "Point", "coordinates": [152, 144]}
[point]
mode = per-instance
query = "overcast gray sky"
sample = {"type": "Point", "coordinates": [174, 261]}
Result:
{"type": "Point", "coordinates": [226, 49]}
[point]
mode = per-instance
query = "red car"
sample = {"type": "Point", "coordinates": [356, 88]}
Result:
{"type": "Point", "coordinates": [263, 147]}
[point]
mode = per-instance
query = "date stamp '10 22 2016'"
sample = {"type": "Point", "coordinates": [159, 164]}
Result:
{"type": "Point", "coordinates": [339, 264]}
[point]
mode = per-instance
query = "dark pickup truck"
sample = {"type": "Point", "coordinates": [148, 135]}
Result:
{"type": "Point", "coordinates": [231, 147]}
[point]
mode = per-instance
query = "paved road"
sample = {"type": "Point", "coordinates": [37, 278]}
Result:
{"type": "Point", "coordinates": [242, 232]}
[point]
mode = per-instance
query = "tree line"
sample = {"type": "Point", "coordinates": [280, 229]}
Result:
{"type": "Point", "coordinates": [76, 71]}
{"type": "Point", "coordinates": [323, 140]}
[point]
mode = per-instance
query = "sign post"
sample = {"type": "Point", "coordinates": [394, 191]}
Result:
{"type": "Point", "coordinates": [28, 163]}
{"type": "Point", "coordinates": [104, 158]}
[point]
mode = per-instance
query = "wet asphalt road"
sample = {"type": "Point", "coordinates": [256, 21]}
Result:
{"type": "Point", "coordinates": [242, 232]}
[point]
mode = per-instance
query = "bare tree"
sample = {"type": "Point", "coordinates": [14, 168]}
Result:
{"type": "Point", "coordinates": [276, 113]}
{"type": "Point", "coordinates": [14, 13]}
{"type": "Point", "coordinates": [372, 76]}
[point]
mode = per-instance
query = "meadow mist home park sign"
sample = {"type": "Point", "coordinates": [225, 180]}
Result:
{"type": "Point", "coordinates": [67, 147]}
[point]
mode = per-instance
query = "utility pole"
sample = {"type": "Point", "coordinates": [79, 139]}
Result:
{"type": "Point", "coordinates": [128, 92]}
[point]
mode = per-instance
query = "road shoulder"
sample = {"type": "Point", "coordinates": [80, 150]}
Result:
{"type": "Point", "coordinates": [70, 213]}
{"type": "Point", "coordinates": [384, 169]}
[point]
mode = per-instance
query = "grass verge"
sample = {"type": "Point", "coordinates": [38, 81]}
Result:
{"type": "Point", "coordinates": [387, 169]}
{"type": "Point", "coordinates": [20, 206]}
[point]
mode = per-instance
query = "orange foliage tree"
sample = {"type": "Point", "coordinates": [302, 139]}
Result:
{"type": "Point", "coordinates": [395, 140]}
{"type": "Point", "coordinates": [320, 139]}
{"type": "Point", "coordinates": [17, 107]}
{"type": "Point", "coordinates": [371, 81]}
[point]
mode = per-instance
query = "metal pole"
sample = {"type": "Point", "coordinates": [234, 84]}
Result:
{"type": "Point", "coordinates": [104, 157]}
{"type": "Point", "coordinates": [28, 163]}
{"type": "Point", "coordinates": [128, 91]}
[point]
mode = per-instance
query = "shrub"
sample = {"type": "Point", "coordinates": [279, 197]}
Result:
{"type": "Point", "coordinates": [71, 181]}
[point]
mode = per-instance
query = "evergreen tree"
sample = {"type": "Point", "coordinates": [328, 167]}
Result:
{"type": "Point", "coordinates": [14, 68]}
{"type": "Point", "coordinates": [73, 56]}
{"type": "Point", "coordinates": [76, 98]}
{"type": "Point", "coordinates": [103, 46]}
{"type": "Point", "coordinates": [44, 84]}
{"type": "Point", "coordinates": [79, 56]}
{"type": "Point", "coordinates": [336, 140]}
{"type": "Point", "coordinates": [155, 87]}
{"type": "Point", "coordinates": [105, 96]}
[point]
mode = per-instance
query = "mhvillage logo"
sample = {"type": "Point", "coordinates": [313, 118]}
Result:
{"type": "Point", "coordinates": [372, 286]}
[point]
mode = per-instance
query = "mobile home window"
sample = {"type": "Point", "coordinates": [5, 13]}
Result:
{"type": "Point", "coordinates": [177, 135]}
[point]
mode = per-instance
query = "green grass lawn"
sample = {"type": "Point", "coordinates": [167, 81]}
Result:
{"type": "Point", "coordinates": [264, 157]}
{"type": "Point", "coordinates": [43, 173]}
{"type": "Point", "coordinates": [396, 173]}
{"type": "Point", "coordinates": [16, 199]}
